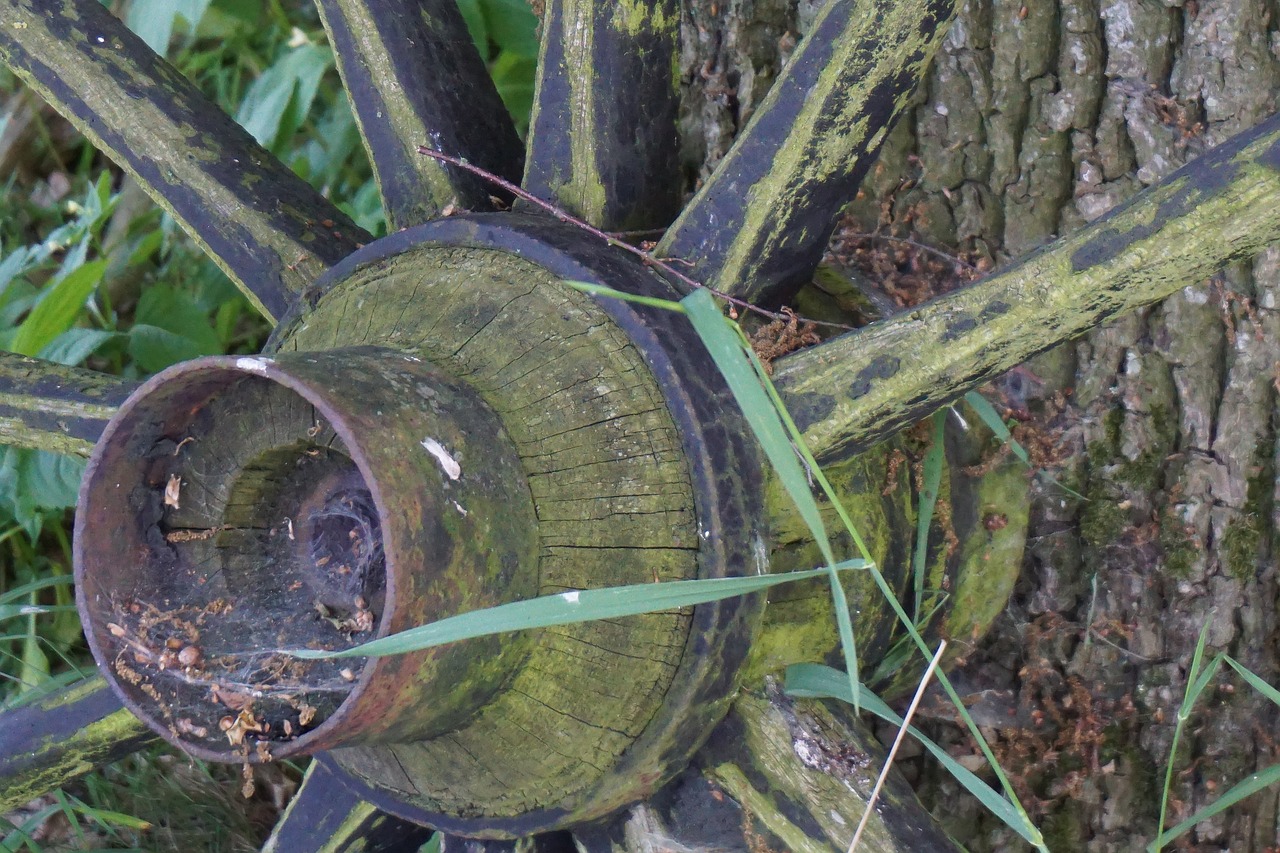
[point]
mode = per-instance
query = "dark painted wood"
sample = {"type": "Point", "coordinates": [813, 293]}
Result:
{"type": "Point", "coordinates": [326, 816]}
{"type": "Point", "coordinates": [758, 226]}
{"type": "Point", "coordinates": [415, 78]}
{"type": "Point", "coordinates": [854, 390]}
{"type": "Point", "coordinates": [602, 140]}
{"type": "Point", "coordinates": [49, 406]}
{"type": "Point", "coordinates": [62, 736]}
{"type": "Point", "coordinates": [266, 227]}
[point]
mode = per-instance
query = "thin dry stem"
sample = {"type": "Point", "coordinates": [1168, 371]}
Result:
{"type": "Point", "coordinates": [897, 741]}
{"type": "Point", "coordinates": [660, 263]}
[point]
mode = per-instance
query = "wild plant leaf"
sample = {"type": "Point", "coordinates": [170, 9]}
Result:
{"type": "Point", "coordinates": [568, 608]}
{"type": "Point", "coordinates": [53, 479]}
{"type": "Point", "coordinates": [17, 299]}
{"type": "Point", "coordinates": [57, 309]}
{"type": "Point", "coordinates": [75, 345]}
{"type": "Point", "coordinates": [512, 26]}
{"type": "Point", "coordinates": [154, 348]}
{"type": "Point", "coordinates": [822, 682]}
{"type": "Point", "coordinates": [153, 20]}
{"type": "Point", "coordinates": [513, 77]}
{"type": "Point", "coordinates": [282, 96]}
{"type": "Point", "coordinates": [474, 17]}
{"type": "Point", "coordinates": [176, 311]}
{"type": "Point", "coordinates": [34, 483]}
{"type": "Point", "coordinates": [15, 264]}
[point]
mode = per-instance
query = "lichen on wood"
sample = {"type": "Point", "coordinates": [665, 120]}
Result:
{"type": "Point", "coordinates": [602, 138]}
{"type": "Point", "coordinates": [415, 77]}
{"type": "Point", "coordinates": [47, 406]}
{"type": "Point", "coordinates": [877, 380]}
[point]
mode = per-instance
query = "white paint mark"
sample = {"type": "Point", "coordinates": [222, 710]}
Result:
{"type": "Point", "coordinates": [447, 462]}
{"type": "Point", "coordinates": [761, 553]}
{"type": "Point", "coordinates": [571, 597]}
{"type": "Point", "coordinates": [254, 365]}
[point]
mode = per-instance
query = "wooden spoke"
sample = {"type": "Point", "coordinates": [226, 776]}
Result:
{"type": "Point", "coordinates": [62, 736]}
{"type": "Point", "coordinates": [758, 226]}
{"type": "Point", "coordinates": [327, 817]}
{"type": "Point", "coordinates": [49, 406]}
{"type": "Point", "coordinates": [415, 78]}
{"type": "Point", "coordinates": [269, 230]}
{"type": "Point", "coordinates": [602, 140]}
{"type": "Point", "coordinates": [776, 774]}
{"type": "Point", "coordinates": [854, 390]}
{"type": "Point", "coordinates": [814, 801]}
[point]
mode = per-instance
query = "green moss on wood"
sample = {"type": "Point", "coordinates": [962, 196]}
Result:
{"type": "Point", "coordinates": [1224, 206]}
{"type": "Point", "coordinates": [613, 497]}
{"type": "Point", "coordinates": [805, 770]}
{"type": "Point", "coordinates": [53, 407]}
{"type": "Point", "coordinates": [60, 738]}
{"type": "Point", "coordinates": [800, 621]}
{"type": "Point", "coordinates": [603, 142]}
{"type": "Point", "coordinates": [415, 78]}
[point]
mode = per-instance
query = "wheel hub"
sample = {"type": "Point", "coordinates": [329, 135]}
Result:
{"type": "Point", "coordinates": [625, 446]}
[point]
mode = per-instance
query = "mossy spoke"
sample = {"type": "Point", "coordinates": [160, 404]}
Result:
{"type": "Point", "coordinates": [758, 227]}
{"type": "Point", "coordinates": [47, 406]}
{"type": "Point", "coordinates": [415, 78]}
{"type": "Point", "coordinates": [602, 140]}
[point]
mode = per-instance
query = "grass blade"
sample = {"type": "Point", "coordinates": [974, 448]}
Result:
{"type": "Point", "coordinates": [988, 415]}
{"type": "Point", "coordinates": [932, 475]}
{"type": "Point", "coordinates": [726, 351]}
{"type": "Point", "coordinates": [747, 381]}
{"type": "Point", "coordinates": [603, 290]}
{"type": "Point", "coordinates": [1251, 784]}
{"type": "Point", "coordinates": [1196, 683]}
{"type": "Point", "coordinates": [1254, 681]}
{"type": "Point", "coordinates": [567, 608]}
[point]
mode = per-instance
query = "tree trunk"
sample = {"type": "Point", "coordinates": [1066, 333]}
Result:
{"type": "Point", "coordinates": [1037, 118]}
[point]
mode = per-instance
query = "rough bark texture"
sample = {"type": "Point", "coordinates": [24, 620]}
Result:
{"type": "Point", "coordinates": [1038, 117]}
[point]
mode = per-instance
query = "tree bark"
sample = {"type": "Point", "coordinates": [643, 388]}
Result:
{"type": "Point", "coordinates": [1036, 118]}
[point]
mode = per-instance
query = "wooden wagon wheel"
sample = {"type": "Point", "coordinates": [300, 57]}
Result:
{"type": "Point", "coordinates": [440, 424]}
